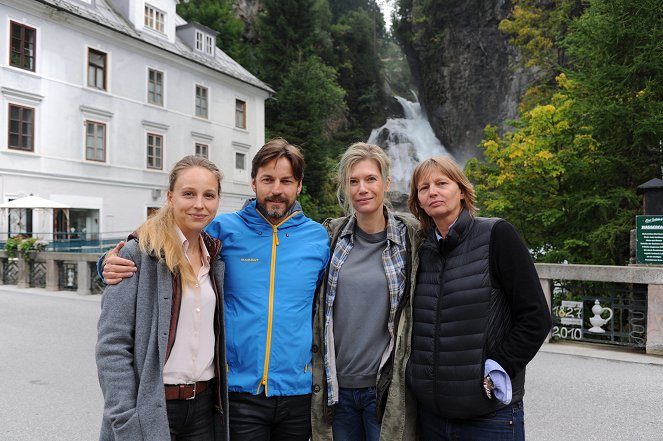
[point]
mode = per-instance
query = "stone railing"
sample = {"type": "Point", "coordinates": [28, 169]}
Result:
{"type": "Point", "coordinates": [59, 271]}
{"type": "Point", "coordinates": [651, 275]}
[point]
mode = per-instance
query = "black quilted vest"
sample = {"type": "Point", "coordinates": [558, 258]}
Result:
{"type": "Point", "coordinates": [459, 318]}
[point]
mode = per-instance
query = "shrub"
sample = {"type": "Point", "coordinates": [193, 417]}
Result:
{"type": "Point", "coordinates": [22, 245]}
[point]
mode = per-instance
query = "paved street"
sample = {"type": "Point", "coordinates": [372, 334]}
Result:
{"type": "Point", "coordinates": [579, 397]}
{"type": "Point", "coordinates": [49, 389]}
{"type": "Point", "coordinates": [48, 377]}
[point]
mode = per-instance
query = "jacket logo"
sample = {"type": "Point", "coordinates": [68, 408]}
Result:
{"type": "Point", "coordinates": [248, 259]}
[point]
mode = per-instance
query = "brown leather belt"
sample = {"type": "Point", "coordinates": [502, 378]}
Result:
{"type": "Point", "coordinates": [185, 391]}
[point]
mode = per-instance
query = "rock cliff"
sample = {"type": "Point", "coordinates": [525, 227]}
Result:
{"type": "Point", "coordinates": [467, 74]}
{"type": "Point", "coordinates": [247, 11]}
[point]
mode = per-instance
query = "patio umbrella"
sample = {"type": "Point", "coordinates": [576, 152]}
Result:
{"type": "Point", "coordinates": [38, 203]}
{"type": "Point", "coordinates": [33, 202]}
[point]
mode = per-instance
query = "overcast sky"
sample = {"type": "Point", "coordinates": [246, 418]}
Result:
{"type": "Point", "coordinates": [387, 7]}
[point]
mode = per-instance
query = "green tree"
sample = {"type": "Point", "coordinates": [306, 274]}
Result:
{"type": "Point", "coordinates": [341, 7]}
{"type": "Point", "coordinates": [290, 31]}
{"type": "Point", "coordinates": [567, 174]}
{"type": "Point", "coordinates": [550, 178]}
{"type": "Point", "coordinates": [537, 28]}
{"type": "Point", "coordinates": [616, 49]}
{"type": "Point", "coordinates": [217, 15]}
{"type": "Point", "coordinates": [356, 47]}
{"type": "Point", "coordinates": [311, 110]}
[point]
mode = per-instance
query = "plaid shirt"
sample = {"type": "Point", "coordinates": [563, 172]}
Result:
{"type": "Point", "coordinates": [394, 259]}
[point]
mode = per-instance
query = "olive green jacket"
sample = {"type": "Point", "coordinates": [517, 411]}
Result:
{"type": "Point", "coordinates": [399, 417]}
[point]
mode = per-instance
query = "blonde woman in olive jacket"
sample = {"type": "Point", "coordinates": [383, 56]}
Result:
{"type": "Point", "coordinates": [382, 408]}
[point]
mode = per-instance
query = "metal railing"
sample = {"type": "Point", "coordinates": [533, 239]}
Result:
{"type": "Point", "coordinates": [600, 312]}
{"type": "Point", "coordinates": [606, 304]}
{"type": "Point", "coordinates": [74, 242]}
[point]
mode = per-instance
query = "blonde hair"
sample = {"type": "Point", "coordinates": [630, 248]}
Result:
{"type": "Point", "coordinates": [158, 235]}
{"type": "Point", "coordinates": [354, 154]}
{"type": "Point", "coordinates": [449, 168]}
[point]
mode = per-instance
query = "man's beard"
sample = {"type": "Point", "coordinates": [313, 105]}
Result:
{"type": "Point", "coordinates": [275, 213]}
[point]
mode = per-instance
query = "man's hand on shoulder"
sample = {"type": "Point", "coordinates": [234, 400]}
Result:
{"type": "Point", "coordinates": [115, 267]}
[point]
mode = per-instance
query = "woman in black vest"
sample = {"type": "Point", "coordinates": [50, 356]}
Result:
{"type": "Point", "coordinates": [480, 314]}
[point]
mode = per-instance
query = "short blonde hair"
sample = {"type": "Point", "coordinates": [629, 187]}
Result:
{"type": "Point", "coordinates": [354, 154]}
{"type": "Point", "coordinates": [449, 168]}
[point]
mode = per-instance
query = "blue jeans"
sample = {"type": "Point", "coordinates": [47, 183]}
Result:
{"type": "Point", "coordinates": [355, 416]}
{"type": "Point", "coordinates": [504, 425]}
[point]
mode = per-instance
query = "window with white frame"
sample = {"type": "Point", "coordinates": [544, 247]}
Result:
{"type": "Point", "coordinates": [21, 128]}
{"type": "Point", "coordinates": [154, 151]}
{"type": "Point", "coordinates": [240, 114]}
{"type": "Point", "coordinates": [155, 19]}
{"type": "Point", "coordinates": [199, 41]}
{"type": "Point", "coordinates": [155, 87]}
{"type": "Point", "coordinates": [22, 47]}
{"type": "Point", "coordinates": [202, 150]}
{"type": "Point", "coordinates": [209, 45]}
{"type": "Point", "coordinates": [205, 43]}
{"type": "Point", "coordinates": [201, 101]}
{"type": "Point", "coordinates": [95, 141]}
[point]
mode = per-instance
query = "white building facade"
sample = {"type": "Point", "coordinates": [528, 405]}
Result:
{"type": "Point", "coordinates": [99, 98]}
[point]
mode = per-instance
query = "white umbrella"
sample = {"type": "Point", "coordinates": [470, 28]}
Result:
{"type": "Point", "coordinates": [37, 203]}
{"type": "Point", "coordinates": [33, 202]}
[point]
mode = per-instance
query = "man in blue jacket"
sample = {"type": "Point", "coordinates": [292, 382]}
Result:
{"type": "Point", "coordinates": [274, 257]}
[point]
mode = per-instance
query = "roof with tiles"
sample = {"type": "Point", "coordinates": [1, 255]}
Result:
{"type": "Point", "coordinates": [103, 14]}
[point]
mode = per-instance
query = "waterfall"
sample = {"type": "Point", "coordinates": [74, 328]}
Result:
{"type": "Point", "coordinates": [407, 141]}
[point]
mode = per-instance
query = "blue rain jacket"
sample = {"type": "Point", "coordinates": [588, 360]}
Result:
{"type": "Point", "coordinates": [272, 272]}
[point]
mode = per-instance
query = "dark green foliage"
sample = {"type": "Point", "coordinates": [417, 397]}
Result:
{"type": "Point", "coordinates": [356, 46]}
{"type": "Point", "coordinates": [289, 31]}
{"type": "Point", "coordinates": [217, 15]}
{"type": "Point", "coordinates": [617, 52]}
{"type": "Point", "coordinates": [341, 7]}
{"type": "Point", "coordinates": [310, 108]}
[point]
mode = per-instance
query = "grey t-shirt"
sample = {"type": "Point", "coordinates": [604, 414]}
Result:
{"type": "Point", "coordinates": [361, 311]}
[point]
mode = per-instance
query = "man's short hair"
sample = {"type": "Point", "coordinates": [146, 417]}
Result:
{"type": "Point", "coordinates": [279, 148]}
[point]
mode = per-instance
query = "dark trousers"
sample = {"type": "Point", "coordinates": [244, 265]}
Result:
{"type": "Point", "coordinates": [276, 418]}
{"type": "Point", "coordinates": [506, 424]}
{"type": "Point", "coordinates": [192, 420]}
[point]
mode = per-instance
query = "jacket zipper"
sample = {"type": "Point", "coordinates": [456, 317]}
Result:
{"type": "Point", "coordinates": [437, 328]}
{"type": "Point", "coordinates": [270, 318]}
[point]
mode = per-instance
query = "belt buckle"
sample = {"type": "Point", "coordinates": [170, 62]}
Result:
{"type": "Point", "coordinates": [192, 384]}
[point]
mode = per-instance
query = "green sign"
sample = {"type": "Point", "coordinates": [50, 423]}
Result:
{"type": "Point", "coordinates": [649, 239]}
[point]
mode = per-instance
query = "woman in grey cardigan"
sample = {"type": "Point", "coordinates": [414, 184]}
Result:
{"type": "Point", "coordinates": [161, 348]}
